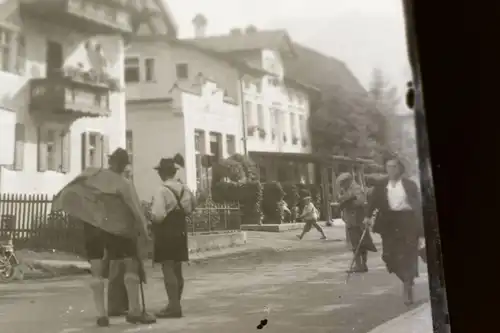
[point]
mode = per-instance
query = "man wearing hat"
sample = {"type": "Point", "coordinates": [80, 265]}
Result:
{"type": "Point", "coordinates": [172, 203]}
{"type": "Point", "coordinates": [352, 202]}
{"type": "Point", "coordinates": [113, 223]}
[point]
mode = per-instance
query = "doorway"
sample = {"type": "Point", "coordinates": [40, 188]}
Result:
{"type": "Point", "coordinates": [54, 59]}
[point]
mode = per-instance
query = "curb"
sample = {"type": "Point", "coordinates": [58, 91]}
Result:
{"type": "Point", "coordinates": [388, 326]}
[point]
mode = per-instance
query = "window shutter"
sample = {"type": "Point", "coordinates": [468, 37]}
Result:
{"type": "Point", "coordinates": [42, 149]}
{"type": "Point", "coordinates": [66, 152]}
{"type": "Point", "coordinates": [19, 148]}
{"type": "Point", "coordinates": [85, 150]}
{"type": "Point", "coordinates": [99, 139]}
{"type": "Point", "coordinates": [105, 150]}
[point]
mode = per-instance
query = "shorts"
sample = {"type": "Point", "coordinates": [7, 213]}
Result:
{"type": "Point", "coordinates": [98, 240]}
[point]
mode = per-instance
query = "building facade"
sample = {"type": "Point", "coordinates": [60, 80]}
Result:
{"type": "Point", "coordinates": [181, 99]}
{"type": "Point", "coordinates": [277, 107]}
{"type": "Point", "coordinates": [62, 100]}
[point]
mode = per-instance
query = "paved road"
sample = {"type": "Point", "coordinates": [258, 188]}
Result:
{"type": "Point", "coordinates": [304, 288]}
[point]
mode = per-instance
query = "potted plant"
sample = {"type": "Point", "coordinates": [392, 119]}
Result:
{"type": "Point", "coordinates": [295, 140]}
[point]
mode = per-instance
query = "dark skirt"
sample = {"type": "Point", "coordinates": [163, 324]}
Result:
{"type": "Point", "coordinates": [355, 234]}
{"type": "Point", "coordinates": [400, 244]}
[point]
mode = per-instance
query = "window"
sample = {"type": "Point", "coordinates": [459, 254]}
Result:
{"type": "Point", "coordinates": [303, 126]}
{"type": "Point", "coordinates": [54, 150]}
{"type": "Point", "coordinates": [149, 65]}
{"type": "Point", "coordinates": [231, 144]}
{"type": "Point", "coordinates": [52, 153]}
{"type": "Point", "coordinates": [129, 145]}
{"type": "Point", "coordinates": [198, 141]}
{"type": "Point", "coordinates": [248, 114]}
{"type": "Point", "coordinates": [293, 124]}
{"type": "Point", "coordinates": [199, 148]}
{"type": "Point", "coordinates": [95, 149]}
{"type": "Point", "coordinates": [21, 55]}
{"type": "Point", "coordinates": [182, 71]}
{"type": "Point", "coordinates": [260, 116]}
{"type": "Point", "coordinates": [132, 70]}
{"type": "Point", "coordinates": [5, 49]}
{"type": "Point", "coordinates": [215, 145]}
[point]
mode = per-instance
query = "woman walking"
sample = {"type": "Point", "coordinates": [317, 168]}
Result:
{"type": "Point", "coordinates": [399, 223]}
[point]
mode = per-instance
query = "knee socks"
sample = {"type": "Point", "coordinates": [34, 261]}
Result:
{"type": "Point", "coordinates": [97, 284]}
{"type": "Point", "coordinates": [132, 282]}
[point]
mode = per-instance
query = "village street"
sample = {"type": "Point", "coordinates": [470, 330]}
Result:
{"type": "Point", "coordinates": [303, 286]}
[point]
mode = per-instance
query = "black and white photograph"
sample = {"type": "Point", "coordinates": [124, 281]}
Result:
{"type": "Point", "coordinates": [212, 166]}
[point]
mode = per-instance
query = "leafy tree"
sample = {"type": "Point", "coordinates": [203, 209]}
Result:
{"type": "Point", "coordinates": [395, 131]}
{"type": "Point", "coordinates": [348, 126]}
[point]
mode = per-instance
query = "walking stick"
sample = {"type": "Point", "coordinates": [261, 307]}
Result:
{"type": "Point", "coordinates": [358, 247]}
{"type": "Point", "coordinates": [142, 279]}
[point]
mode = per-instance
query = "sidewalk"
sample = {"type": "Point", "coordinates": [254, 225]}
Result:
{"type": "Point", "coordinates": [40, 268]}
{"type": "Point", "coordinates": [418, 320]}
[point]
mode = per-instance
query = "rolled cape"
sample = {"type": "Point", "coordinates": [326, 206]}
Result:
{"type": "Point", "coordinates": [104, 199]}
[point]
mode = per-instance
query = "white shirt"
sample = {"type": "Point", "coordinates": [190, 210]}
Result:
{"type": "Point", "coordinates": [164, 201]}
{"type": "Point", "coordinates": [396, 195]}
{"type": "Point", "coordinates": [309, 212]}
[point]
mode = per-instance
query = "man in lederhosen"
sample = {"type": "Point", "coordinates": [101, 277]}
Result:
{"type": "Point", "coordinates": [113, 223]}
{"type": "Point", "coordinates": [352, 202]}
{"type": "Point", "coordinates": [399, 223]}
{"type": "Point", "coordinates": [172, 204]}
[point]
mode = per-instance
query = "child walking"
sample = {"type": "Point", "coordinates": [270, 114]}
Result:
{"type": "Point", "coordinates": [310, 216]}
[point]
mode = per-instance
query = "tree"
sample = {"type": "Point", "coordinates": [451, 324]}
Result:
{"type": "Point", "coordinates": [395, 131]}
{"type": "Point", "coordinates": [347, 126]}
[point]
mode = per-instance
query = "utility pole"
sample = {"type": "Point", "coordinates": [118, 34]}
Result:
{"type": "Point", "coordinates": [243, 114]}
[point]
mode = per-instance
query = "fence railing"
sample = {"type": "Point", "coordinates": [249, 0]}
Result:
{"type": "Point", "coordinates": [28, 219]}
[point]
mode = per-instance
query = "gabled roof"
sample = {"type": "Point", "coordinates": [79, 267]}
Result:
{"type": "Point", "coordinates": [248, 41]}
{"type": "Point", "coordinates": [158, 18]}
{"type": "Point", "coordinates": [327, 73]}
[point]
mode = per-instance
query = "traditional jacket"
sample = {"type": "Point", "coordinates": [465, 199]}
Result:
{"type": "Point", "coordinates": [352, 205]}
{"type": "Point", "coordinates": [106, 200]}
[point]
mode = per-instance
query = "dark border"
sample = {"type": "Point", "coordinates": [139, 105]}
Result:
{"type": "Point", "coordinates": [463, 134]}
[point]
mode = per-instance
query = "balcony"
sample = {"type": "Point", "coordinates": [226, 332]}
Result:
{"type": "Point", "coordinates": [71, 94]}
{"type": "Point", "coordinates": [93, 16]}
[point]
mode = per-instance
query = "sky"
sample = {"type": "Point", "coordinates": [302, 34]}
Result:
{"type": "Point", "coordinates": [365, 34]}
